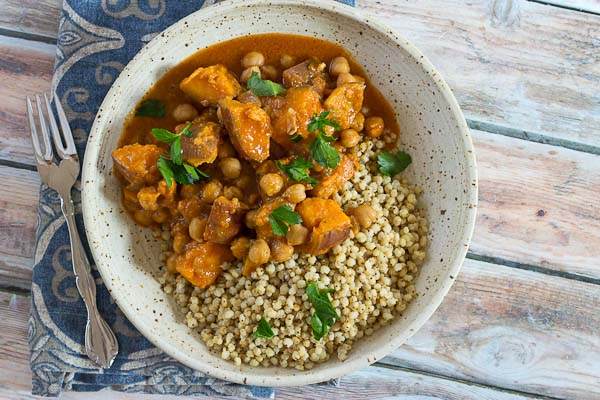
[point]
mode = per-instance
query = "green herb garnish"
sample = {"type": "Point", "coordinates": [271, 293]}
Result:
{"type": "Point", "coordinates": [151, 108]}
{"type": "Point", "coordinates": [319, 122]}
{"type": "Point", "coordinates": [174, 167]}
{"type": "Point", "coordinates": [282, 217]}
{"type": "Point", "coordinates": [296, 138]}
{"type": "Point", "coordinates": [298, 170]}
{"type": "Point", "coordinates": [324, 153]}
{"type": "Point", "coordinates": [264, 87]}
{"type": "Point", "coordinates": [391, 164]}
{"type": "Point", "coordinates": [263, 330]}
{"type": "Point", "coordinates": [325, 315]}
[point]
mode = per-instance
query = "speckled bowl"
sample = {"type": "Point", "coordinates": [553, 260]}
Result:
{"type": "Point", "coordinates": [433, 131]}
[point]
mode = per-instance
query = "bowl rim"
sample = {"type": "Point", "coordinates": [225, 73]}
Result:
{"type": "Point", "coordinates": [296, 377]}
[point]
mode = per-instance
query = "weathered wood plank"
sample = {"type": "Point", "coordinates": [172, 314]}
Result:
{"type": "Point", "coordinates": [592, 6]}
{"type": "Point", "coordinates": [518, 64]}
{"type": "Point", "coordinates": [18, 219]}
{"type": "Point", "coordinates": [25, 69]}
{"type": "Point", "coordinates": [513, 329]}
{"type": "Point", "coordinates": [35, 18]}
{"type": "Point", "coordinates": [373, 382]}
{"type": "Point", "coordinates": [538, 205]}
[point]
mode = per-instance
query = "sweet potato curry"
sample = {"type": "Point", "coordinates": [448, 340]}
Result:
{"type": "Point", "coordinates": [240, 149]}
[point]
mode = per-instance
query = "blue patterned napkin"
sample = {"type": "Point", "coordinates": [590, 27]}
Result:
{"type": "Point", "coordinates": [96, 39]}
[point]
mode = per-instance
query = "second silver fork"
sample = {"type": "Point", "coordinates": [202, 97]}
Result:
{"type": "Point", "coordinates": [100, 342]}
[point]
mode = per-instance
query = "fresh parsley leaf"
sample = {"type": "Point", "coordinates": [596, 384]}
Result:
{"type": "Point", "coordinates": [186, 130]}
{"type": "Point", "coordinates": [151, 108]}
{"type": "Point", "coordinates": [164, 166]}
{"type": "Point", "coordinates": [296, 138]}
{"type": "Point", "coordinates": [176, 151]}
{"type": "Point", "coordinates": [183, 173]}
{"type": "Point", "coordinates": [298, 170]}
{"type": "Point", "coordinates": [319, 122]}
{"type": "Point", "coordinates": [264, 87]}
{"type": "Point", "coordinates": [263, 330]}
{"type": "Point", "coordinates": [319, 329]}
{"type": "Point", "coordinates": [164, 135]}
{"type": "Point", "coordinates": [281, 217]}
{"type": "Point", "coordinates": [325, 315]}
{"type": "Point", "coordinates": [324, 153]}
{"type": "Point", "coordinates": [391, 164]}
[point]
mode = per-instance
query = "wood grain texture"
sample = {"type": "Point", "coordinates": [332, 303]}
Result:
{"type": "Point", "coordinates": [513, 329]}
{"type": "Point", "coordinates": [517, 64]}
{"type": "Point", "coordinates": [373, 382]}
{"type": "Point", "coordinates": [35, 18]}
{"type": "Point", "coordinates": [592, 6]}
{"type": "Point", "coordinates": [18, 219]}
{"type": "Point", "coordinates": [538, 204]}
{"type": "Point", "coordinates": [25, 69]}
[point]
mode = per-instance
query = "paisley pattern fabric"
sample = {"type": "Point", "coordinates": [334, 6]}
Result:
{"type": "Point", "coordinates": [96, 39]}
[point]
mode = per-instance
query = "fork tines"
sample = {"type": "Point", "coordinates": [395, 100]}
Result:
{"type": "Point", "coordinates": [64, 144]}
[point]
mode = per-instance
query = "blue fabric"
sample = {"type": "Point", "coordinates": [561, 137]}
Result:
{"type": "Point", "coordinates": [97, 38]}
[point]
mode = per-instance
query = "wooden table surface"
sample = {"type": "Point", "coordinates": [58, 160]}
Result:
{"type": "Point", "coordinates": [523, 319]}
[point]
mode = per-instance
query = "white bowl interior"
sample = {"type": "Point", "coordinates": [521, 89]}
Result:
{"type": "Point", "coordinates": [433, 131]}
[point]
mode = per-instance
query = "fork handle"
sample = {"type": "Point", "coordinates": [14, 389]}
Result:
{"type": "Point", "coordinates": [100, 341]}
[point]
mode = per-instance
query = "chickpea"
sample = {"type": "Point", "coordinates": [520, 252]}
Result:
{"type": "Point", "coordinates": [281, 251]}
{"type": "Point", "coordinates": [211, 191]}
{"type": "Point", "coordinates": [339, 65]}
{"type": "Point", "coordinates": [247, 73]}
{"type": "Point", "coordinates": [143, 217]}
{"type": "Point", "coordinates": [240, 247]}
{"type": "Point", "coordinates": [231, 192]}
{"type": "Point", "coordinates": [253, 59]}
{"type": "Point", "coordinates": [244, 181]}
{"type": "Point", "coordinates": [259, 252]}
{"type": "Point", "coordinates": [161, 215]}
{"type": "Point", "coordinates": [349, 138]}
{"type": "Point", "coordinates": [251, 219]}
{"type": "Point", "coordinates": [344, 78]}
{"type": "Point", "coordinates": [185, 112]}
{"type": "Point", "coordinates": [172, 263]}
{"type": "Point", "coordinates": [196, 229]}
{"type": "Point", "coordinates": [269, 72]}
{"type": "Point", "coordinates": [230, 167]}
{"type": "Point", "coordinates": [271, 184]}
{"type": "Point", "coordinates": [189, 191]}
{"type": "Point", "coordinates": [226, 150]}
{"type": "Point", "coordinates": [179, 242]}
{"type": "Point", "coordinates": [359, 122]}
{"type": "Point", "coordinates": [287, 61]}
{"type": "Point", "coordinates": [365, 215]}
{"type": "Point", "coordinates": [297, 235]}
{"type": "Point", "coordinates": [374, 126]}
{"type": "Point", "coordinates": [295, 193]}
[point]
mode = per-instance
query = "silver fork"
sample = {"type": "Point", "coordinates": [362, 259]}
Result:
{"type": "Point", "coordinates": [100, 342]}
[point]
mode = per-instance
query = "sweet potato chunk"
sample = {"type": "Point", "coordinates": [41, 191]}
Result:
{"type": "Point", "coordinates": [211, 84]}
{"type": "Point", "coordinates": [201, 263]}
{"type": "Point", "coordinates": [293, 115]}
{"type": "Point", "coordinates": [328, 224]}
{"type": "Point", "coordinates": [204, 145]}
{"type": "Point", "coordinates": [224, 221]}
{"type": "Point", "coordinates": [249, 128]}
{"type": "Point", "coordinates": [345, 102]}
{"type": "Point", "coordinates": [137, 163]}
{"type": "Point", "coordinates": [307, 73]}
{"type": "Point", "coordinates": [334, 182]}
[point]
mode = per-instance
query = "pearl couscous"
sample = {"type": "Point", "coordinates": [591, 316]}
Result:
{"type": "Point", "coordinates": [371, 273]}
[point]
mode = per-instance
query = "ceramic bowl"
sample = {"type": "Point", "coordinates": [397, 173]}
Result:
{"type": "Point", "coordinates": [433, 131]}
